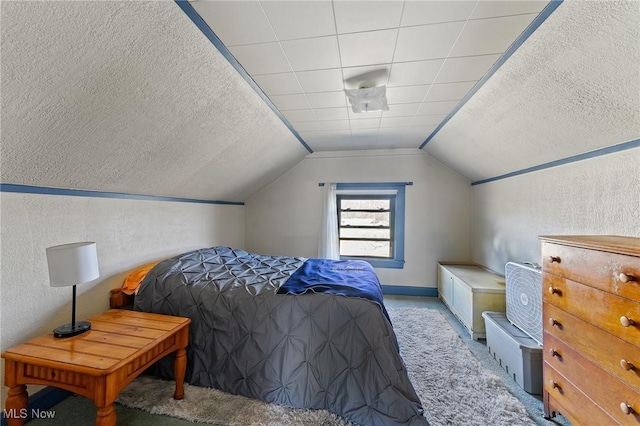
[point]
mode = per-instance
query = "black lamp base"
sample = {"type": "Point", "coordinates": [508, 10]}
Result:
{"type": "Point", "coordinates": [70, 330]}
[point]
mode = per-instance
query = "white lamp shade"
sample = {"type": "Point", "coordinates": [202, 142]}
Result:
{"type": "Point", "coordinates": [72, 264]}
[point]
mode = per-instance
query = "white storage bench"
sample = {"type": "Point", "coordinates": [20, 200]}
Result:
{"type": "Point", "coordinates": [517, 353]}
{"type": "Point", "coordinates": [468, 290]}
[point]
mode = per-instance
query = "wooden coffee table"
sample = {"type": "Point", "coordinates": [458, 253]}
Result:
{"type": "Point", "coordinates": [99, 363]}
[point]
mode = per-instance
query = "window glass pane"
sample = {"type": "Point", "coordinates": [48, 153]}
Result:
{"type": "Point", "coordinates": [365, 233]}
{"type": "Point", "coordinates": [365, 204]}
{"type": "Point", "coordinates": [365, 248]}
{"type": "Point", "coordinates": [362, 218]}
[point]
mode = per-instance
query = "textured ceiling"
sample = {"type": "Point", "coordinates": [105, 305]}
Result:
{"type": "Point", "coordinates": [572, 88]}
{"type": "Point", "coordinates": [429, 54]}
{"type": "Point", "coordinates": [131, 97]}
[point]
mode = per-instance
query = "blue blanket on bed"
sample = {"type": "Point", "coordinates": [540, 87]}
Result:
{"type": "Point", "coordinates": [353, 278]}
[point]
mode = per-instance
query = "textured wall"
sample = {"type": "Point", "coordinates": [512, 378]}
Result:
{"type": "Point", "coordinates": [572, 87]}
{"type": "Point", "coordinates": [131, 97]}
{"type": "Point", "coordinates": [595, 196]}
{"type": "Point", "coordinates": [284, 218]}
{"type": "Point", "coordinates": [128, 233]}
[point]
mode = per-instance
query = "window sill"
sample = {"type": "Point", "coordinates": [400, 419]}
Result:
{"type": "Point", "coordinates": [378, 263]}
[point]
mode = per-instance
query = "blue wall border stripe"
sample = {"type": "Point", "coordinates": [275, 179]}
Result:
{"type": "Point", "coordinates": [213, 38]}
{"type": "Point", "coordinates": [28, 189]}
{"type": "Point", "coordinates": [591, 154]}
{"type": "Point", "coordinates": [401, 290]}
{"type": "Point", "coordinates": [546, 12]}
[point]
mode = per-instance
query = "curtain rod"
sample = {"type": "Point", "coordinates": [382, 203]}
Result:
{"type": "Point", "coordinates": [372, 183]}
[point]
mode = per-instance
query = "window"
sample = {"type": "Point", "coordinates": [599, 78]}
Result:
{"type": "Point", "coordinates": [365, 225]}
{"type": "Point", "coordinates": [371, 223]}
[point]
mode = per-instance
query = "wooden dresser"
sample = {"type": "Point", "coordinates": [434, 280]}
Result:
{"type": "Point", "coordinates": [591, 314]}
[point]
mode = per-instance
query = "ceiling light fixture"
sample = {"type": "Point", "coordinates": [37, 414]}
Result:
{"type": "Point", "coordinates": [367, 99]}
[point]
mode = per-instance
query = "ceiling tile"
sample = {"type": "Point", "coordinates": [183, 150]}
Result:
{"type": "Point", "coordinates": [433, 12]}
{"type": "Point", "coordinates": [321, 81]}
{"type": "Point", "coordinates": [372, 75]}
{"type": "Point", "coordinates": [278, 84]}
{"type": "Point", "coordinates": [426, 42]}
{"type": "Point", "coordinates": [423, 120]}
{"type": "Point", "coordinates": [407, 137]}
{"type": "Point", "coordinates": [440, 107]}
{"type": "Point", "coordinates": [297, 115]}
{"type": "Point", "coordinates": [425, 130]}
{"type": "Point", "coordinates": [306, 126]}
{"type": "Point", "coordinates": [465, 69]}
{"type": "Point", "coordinates": [332, 113]}
{"type": "Point", "coordinates": [364, 131]}
{"type": "Point", "coordinates": [395, 121]}
{"type": "Point", "coordinates": [406, 94]}
{"type": "Point", "coordinates": [363, 115]}
{"type": "Point", "coordinates": [357, 16]}
{"type": "Point", "coordinates": [493, 35]}
{"type": "Point", "coordinates": [287, 102]}
{"type": "Point", "coordinates": [414, 73]}
{"type": "Point", "coordinates": [312, 53]}
{"type": "Point", "coordinates": [401, 110]}
{"type": "Point", "coordinates": [265, 58]}
{"type": "Point", "coordinates": [419, 131]}
{"type": "Point", "coordinates": [327, 99]}
{"type": "Point", "coordinates": [328, 141]}
{"type": "Point", "coordinates": [490, 9]}
{"type": "Point", "coordinates": [449, 91]}
{"type": "Point", "coordinates": [374, 47]}
{"type": "Point", "coordinates": [300, 19]}
{"type": "Point", "coordinates": [335, 125]}
{"type": "Point", "coordinates": [239, 22]}
{"type": "Point", "coordinates": [369, 123]}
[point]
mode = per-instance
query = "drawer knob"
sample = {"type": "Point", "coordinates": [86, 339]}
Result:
{"type": "Point", "coordinates": [554, 259]}
{"type": "Point", "coordinates": [553, 290]}
{"type": "Point", "coordinates": [626, 322]}
{"type": "Point", "coordinates": [555, 385]}
{"type": "Point", "coordinates": [626, 408]}
{"type": "Point", "coordinates": [625, 278]}
{"type": "Point", "coordinates": [554, 322]}
{"type": "Point", "coordinates": [626, 365]}
{"type": "Point", "coordinates": [553, 352]}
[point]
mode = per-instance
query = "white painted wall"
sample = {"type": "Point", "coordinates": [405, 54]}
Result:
{"type": "Point", "coordinates": [284, 217]}
{"type": "Point", "coordinates": [128, 233]}
{"type": "Point", "coordinates": [596, 196]}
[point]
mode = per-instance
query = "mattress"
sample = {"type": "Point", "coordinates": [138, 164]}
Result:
{"type": "Point", "coordinates": [311, 350]}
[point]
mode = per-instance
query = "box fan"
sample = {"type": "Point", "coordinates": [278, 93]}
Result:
{"type": "Point", "coordinates": [524, 298]}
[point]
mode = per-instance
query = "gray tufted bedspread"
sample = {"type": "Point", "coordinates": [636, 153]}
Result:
{"type": "Point", "coordinates": [317, 351]}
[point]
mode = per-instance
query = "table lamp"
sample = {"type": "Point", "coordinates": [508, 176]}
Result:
{"type": "Point", "coordinates": [72, 264]}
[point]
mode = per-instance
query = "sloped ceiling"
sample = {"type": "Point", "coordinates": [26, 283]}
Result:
{"type": "Point", "coordinates": [131, 97]}
{"type": "Point", "coordinates": [572, 88]}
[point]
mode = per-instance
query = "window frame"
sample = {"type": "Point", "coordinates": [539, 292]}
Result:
{"type": "Point", "coordinates": [368, 190]}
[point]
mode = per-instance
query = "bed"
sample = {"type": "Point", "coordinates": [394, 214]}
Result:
{"type": "Point", "coordinates": [319, 347]}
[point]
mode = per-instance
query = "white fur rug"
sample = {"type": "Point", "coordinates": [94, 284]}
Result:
{"type": "Point", "coordinates": [453, 387]}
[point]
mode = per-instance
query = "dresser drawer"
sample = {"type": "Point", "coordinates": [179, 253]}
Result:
{"type": "Point", "coordinates": [606, 391]}
{"type": "Point", "coordinates": [594, 268]}
{"type": "Point", "coordinates": [603, 309]}
{"type": "Point", "coordinates": [572, 403]}
{"type": "Point", "coordinates": [594, 344]}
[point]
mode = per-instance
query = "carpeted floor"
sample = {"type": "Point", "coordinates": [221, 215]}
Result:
{"type": "Point", "coordinates": [463, 409]}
